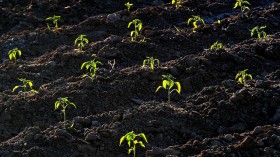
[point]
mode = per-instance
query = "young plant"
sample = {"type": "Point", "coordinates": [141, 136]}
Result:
{"type": "Point", "coordinates": [195, 20]}
{"type": "Point", "coordinates": [168, 83]}
{"type": "Point", "coordinates": [243, 4]}
{"type": "Point", "coordinates": [54, 20]}
{"type": "Point", "coordinates": [91, 66]}
{"type": "Point", "coordinates": [216, 46]}
{"type": "Point", "coordinates": [242, 76]}
{"type": "Point", "coordinates": [150, 61]}
{"type": "Point", "coordinates": [259, 31]}
{"type": "Point", "coordinates": [63, 102]}
{"type": "Point", "coordinates": [82, 41]}
{"type": "Point", "coordinates": [25, 83]}
{"type": "Point", "coordinates": [137, 28]}
{"type": "Point", "coordinates": [130, 137]}
{"type": "Point", "coordinates": [128, 6]}
{"type": "Point", "coordinates": [177, 3]}
{"type": "Point", "coordinates": [13, 54]}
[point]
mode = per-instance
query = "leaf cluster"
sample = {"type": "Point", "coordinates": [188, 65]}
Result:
{"type": "Point", "coordinates": [128, 6]}
{"type": "Point", "coordinates": [91, 66]}
{"type": "Point", "coordinates": [241, 76]}
{"type": "Point", "coordinates": [195, 20]}
{"type": "Point", "coordinates": [177, 3]}
{"type": "Point", "coordinates": [137, 28]}
{"type": "Point", "coordinates": [130, 137]}
{"type": "Point", "coordinates": [259, 31]}
{"type": "Point", "coordinates": [150, 61]}
{"type": "Point", "coordinates": [216, 46]}
{"type": "Point", "coordinates": [54, 20]}
{"type": "Point", "coordinates": [13, 54]}
{"type": "Point", "coordinates": [168, 83]}
{"type": "Point", "coordinates": [82, 41]}
{"type": "Point", "coordinates": [243, 4]}
{"type": "Point", "coordinates": [25, 83]}
{"type": "Point", "coordinates": [63, 102]}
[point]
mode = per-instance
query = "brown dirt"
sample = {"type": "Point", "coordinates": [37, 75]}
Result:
{"type": "Point", "coordinates": [213, 115]}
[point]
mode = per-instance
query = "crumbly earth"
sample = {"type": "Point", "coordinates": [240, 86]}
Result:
{"type": "Point", "coordinates": [214, 116]}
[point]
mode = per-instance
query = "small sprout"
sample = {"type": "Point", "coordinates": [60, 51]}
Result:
{"type": "Point", "coordinates": [128, 6]}
{"type": "Point", "coordinates": [130, 137]}
{"type": "Point", "coordinates": [13, 54]}
{"type": "Point", "coordinates": [137, 28]}
{"type": "Point", "coordinates": [177, 29]}
{"type": "Point", "coordinates": [150, 61]}
{"type": "Point", "coordinates": [243, 4]}
{"type": "Point", "coordinates": [259, 31]}
{"type": "Point", "coordinates": [168, 83]}
{"type": "Point", "coordinates": [195, 20]}
{"type": "Point", "coordinates": [63, 102]}
{"type": "Point", "coordinates": [54, 20]}
{"type": "Point", "coordinates": [82, 41]}
{"type": "Point", "coordinates": [91, 66]}
{"type": "Point", "coordinates": [216, 46]}
{"type": "Point", "coordinates": [177, 3]}
{"type": "Point", "coordinates": [25, 84]}
{"type": "Point", "coordinates": [242, 76]}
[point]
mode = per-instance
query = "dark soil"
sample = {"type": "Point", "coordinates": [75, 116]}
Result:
{"type": "Point", "coordinates": [213, 116]}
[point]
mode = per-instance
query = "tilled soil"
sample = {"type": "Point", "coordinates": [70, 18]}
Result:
{"type": "Point", "coordinates": [213, 116]}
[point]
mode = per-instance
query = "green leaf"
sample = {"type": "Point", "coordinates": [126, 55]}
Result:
{"type": "Point", "coordinates": [130, 150]}
{"type": "Point", "coordinates": [246, 8]}
{"type": "Point", "coordinates": [236, 5]}
{"type": "Point", "coordinates": [73, 104]}
{"type": "Point", "coordinates": [129, 24]}
{"type": "Point", "coordinates": [178, 87]}
{"type": "Point", "coordinates": [19, 52]}
{"type": "Point", "coordinates": [11, 56]}
{"type": "Point", "coordinates": [129, 142]}
{"type": "Point", "coordinates": [262, 27]}
{"type": "Point", "coordinates": [158, 88]}
{"type": "Point", "coordinates": [141, 144]}
{"type": "Point", "coordinates": [194, 24]}
{"type": "Point", "coordinates": [140, 27]}
{"type": "Point", "coordinates": [131, 33]}
{"type": "Point", "coordinates": [56, 105]}
{"type": "Point", "coordinates": [30, 84]}
{"type": "Point", "coordinates": [165, 83]}
{"type": "Point", "coordinates": [122, 139]}
{"type": "Point", "coordinates": [240, 80]}
{"type": "Point", "coordinates": [16, 87]}
{"type": "Point", "coordinates": [189, 20]}
{"type": "Point", "coordinates": [143, 136]}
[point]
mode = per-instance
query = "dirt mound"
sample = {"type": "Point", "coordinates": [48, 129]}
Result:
{"type": "Point", "coordinates": [213, 115]}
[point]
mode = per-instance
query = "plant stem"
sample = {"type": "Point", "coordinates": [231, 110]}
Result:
{"type": "Point", "coordinates": [64, 117]}
{"type": "Point", "coordinates": [169, 96]}
{"type": "Point", "coordinates": [134, 150]}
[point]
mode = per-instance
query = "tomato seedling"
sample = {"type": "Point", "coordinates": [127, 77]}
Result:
{"type": "Point", "coordinates": [128, 6]}
{"type": "Point", "coordinates": [25, 84]}
{"type": "Point", "coordinates": [64, 103]}
{"type": "Point", "coordinates": [54, 20]}
{"type": "Point", "coordinates": [168, 83]}
{"type": "Point", "coordinates": [259, 31]}
{"type": "Point", "coordinates": [195, 21]}
{"type": "Point", "coordinates": [243, 4]}
{"type": "Point", "coordinates": [130, 137]}
{"type": "Point", "coordinates": [82, 41]}
{"type": "Point", "coordinates": [14, 53]}
{"type": "Point", "coordinates": [150, 61]}
{"type": "Point", "coordinates": [242, 76]}
{"type": "Point", "coordinates": [91, 66]}
{"type": "Point", "coordinates": [137, 28]}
